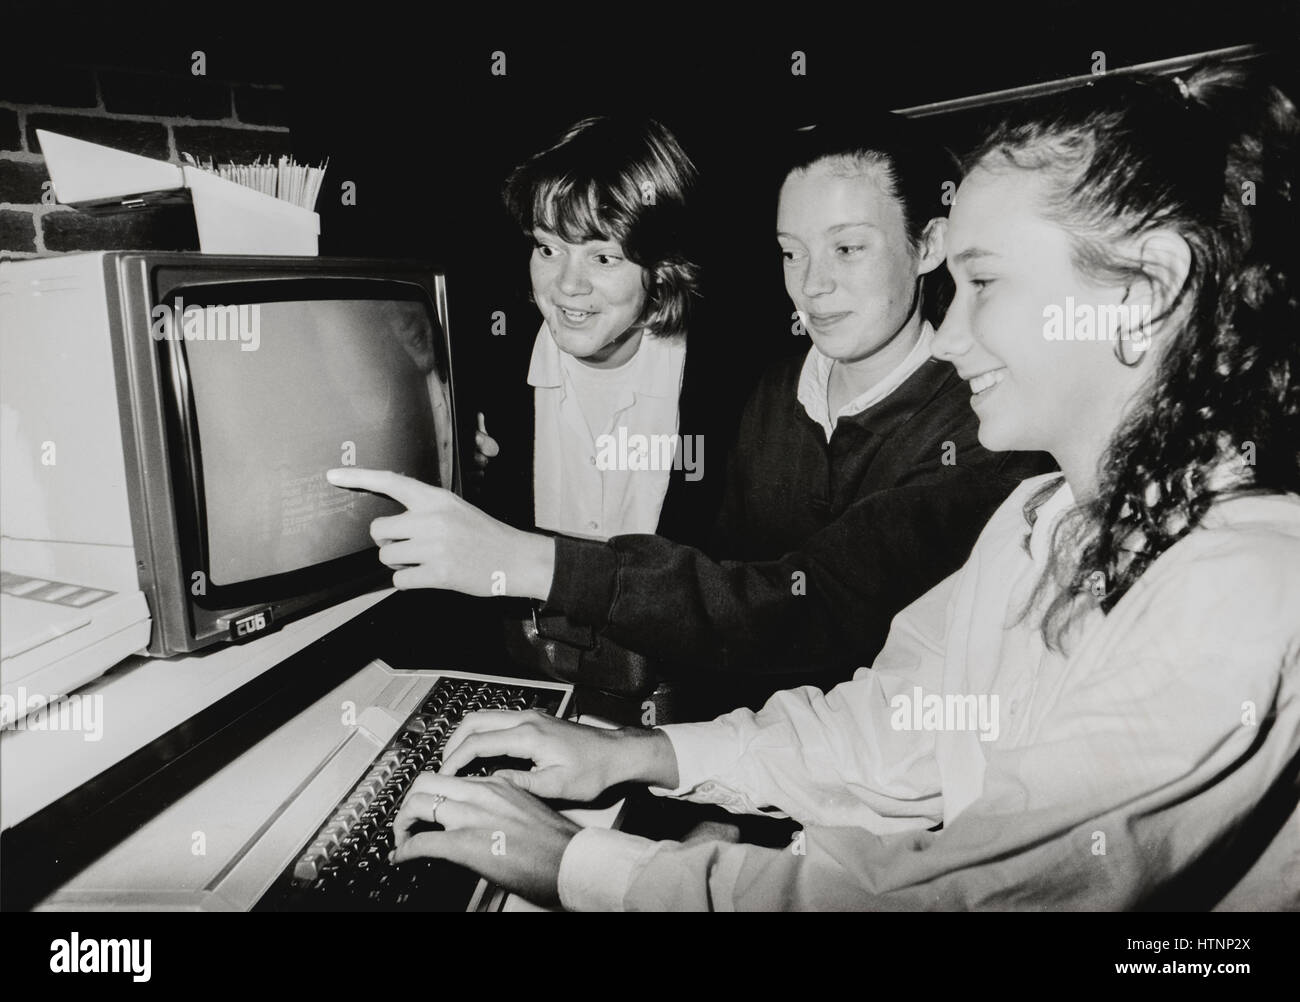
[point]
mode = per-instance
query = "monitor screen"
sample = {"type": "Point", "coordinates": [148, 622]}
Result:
{"type": "Point", "coordinates": [310, 383]}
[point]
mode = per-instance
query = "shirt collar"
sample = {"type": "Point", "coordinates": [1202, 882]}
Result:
{"type": "Point", "coordinates": [655, 370]}
{"type": "Point", "coordinates": [544, 369]}
{"type": "Point", "coordinates": [815, 376]}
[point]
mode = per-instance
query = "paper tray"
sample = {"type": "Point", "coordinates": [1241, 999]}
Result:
{"type": "Point", "coordinates": [231, 218]}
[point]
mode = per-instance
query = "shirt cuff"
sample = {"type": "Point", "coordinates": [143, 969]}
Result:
{"type": "Point", "coordinates": [703, 751]}
{"type": "Point", "coordinates": [596, 869]}
{"type": "Point", "coordinates": [586, 575]}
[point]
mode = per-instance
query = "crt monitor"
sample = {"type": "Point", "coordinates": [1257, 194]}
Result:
{"type": "Point", "coordinates": [194, 402]}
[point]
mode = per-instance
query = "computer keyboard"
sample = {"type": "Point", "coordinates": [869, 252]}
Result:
{"type": "Point", "coordinates": [345, 867]}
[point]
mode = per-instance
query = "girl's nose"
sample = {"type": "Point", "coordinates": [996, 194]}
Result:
{"type": "Point", "coordinates": [817, 278]}
{"type": "Point", "coordinates": [952, 340]}
{"type": "Point", "coordinates": [573, 277]}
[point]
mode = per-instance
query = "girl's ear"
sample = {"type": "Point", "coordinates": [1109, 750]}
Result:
{"type": "Point", "coordinates": [934, 238]}
{"type": "Point", "coordinates": [1166, 261]}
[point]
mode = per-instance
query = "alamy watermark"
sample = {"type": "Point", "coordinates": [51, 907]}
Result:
{"type": "Point", "coordinates": [1108, 322]}
{"type": "Point", "coordinates": [25, 711]}
{"type": "Point", "coordinates": [178, 322]}
{"type": "Point", "coordinates": [921, 711]}
{"type": "Point", "coordinates": [75, 955]}
{"type": "Point", "coordinates": [622, 451]}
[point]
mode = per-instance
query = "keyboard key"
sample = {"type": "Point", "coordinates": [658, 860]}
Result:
{"type": "Point", "coordinates": [307, 869]}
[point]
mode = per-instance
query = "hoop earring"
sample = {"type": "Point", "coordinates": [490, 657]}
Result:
{"type": "Point", "coordinates": [1143, 340]}
{"type": "Point", "coordinates": [1123, 359]}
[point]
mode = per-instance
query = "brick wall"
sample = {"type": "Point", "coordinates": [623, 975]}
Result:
{"type": "Point", "coordinates": [151, 113]}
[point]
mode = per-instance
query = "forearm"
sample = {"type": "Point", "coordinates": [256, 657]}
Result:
{"type": "Point", "coordinates": [999, 854]}
{"type": "Point", "coordinates": [823, 758]}
{"type": "Point", "coordinates": [674, 602]}
{"type": "Point", "coordinates": [829, 603]}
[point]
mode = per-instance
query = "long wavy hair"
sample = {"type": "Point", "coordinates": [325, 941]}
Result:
{"type": "Point", "coordinates": [1212, 155]}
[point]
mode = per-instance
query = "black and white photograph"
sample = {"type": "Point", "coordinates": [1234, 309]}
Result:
{"type": "Point", "coordinates": [648, 459]}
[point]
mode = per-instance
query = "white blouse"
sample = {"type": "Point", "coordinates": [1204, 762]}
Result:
{"type": "Point", "coordinates": [605, 439]}
{"type": "Point", "coordinates": [1093, 779]}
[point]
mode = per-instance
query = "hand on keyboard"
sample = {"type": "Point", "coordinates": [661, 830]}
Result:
{"type": "Point", "coordinates": [345, 864]}
{"type": "Point", "coordinates": [490, 826]}
{"type": "Point", "coordinates": [570, 761]}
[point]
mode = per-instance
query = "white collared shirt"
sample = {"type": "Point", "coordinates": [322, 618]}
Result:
{"type": "Point", "coordinates": [586, 480]}
{"type": "Point", "coordinates": [815, 377]}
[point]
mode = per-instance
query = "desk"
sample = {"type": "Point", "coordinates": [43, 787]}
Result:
{"type": "Point", "coordinates": [141, 699]}
{"type": "Point", "coordinates": [246, 787]}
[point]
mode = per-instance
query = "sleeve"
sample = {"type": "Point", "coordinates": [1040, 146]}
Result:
{"type": "Point", "coordinates": [828, 603]}
{"type": "Point", "coordinates": [1150, 782]}
{"type": "Point", "coordinates": [835, 757]}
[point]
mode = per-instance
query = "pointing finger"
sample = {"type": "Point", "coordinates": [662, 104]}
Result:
{"type": "Point", "coordinates": [405, 490]}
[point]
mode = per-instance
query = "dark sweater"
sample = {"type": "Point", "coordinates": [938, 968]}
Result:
{"type": "Point", "coordinates": [818, 545]}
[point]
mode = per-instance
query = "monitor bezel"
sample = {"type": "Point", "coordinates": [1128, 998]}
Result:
{"type": "Point", "coordinates": [167, 510]}
{"type": "Point", "coordinates": [185, 433]}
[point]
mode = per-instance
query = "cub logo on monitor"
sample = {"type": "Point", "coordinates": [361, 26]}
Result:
{"type": "Point", "coordinates": [253, 623]}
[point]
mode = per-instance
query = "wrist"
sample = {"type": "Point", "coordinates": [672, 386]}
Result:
{"type": "Point", "coordinates": [536, 566]}
{"type": "Point", "coordinates": [647, 756]}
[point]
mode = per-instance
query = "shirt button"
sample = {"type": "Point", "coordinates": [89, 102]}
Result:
{"type": "Point", "coordinates": [593, 525]}
{"type": "Point", "coordinates": [592, 460]}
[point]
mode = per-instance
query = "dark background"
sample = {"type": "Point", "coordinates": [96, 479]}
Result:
{"type": "Point", "coordinates": [403, 102]}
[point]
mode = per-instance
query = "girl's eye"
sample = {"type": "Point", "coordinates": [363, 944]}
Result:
{"type": "Point", "coordinates": [980, 284]}
{"type": "Point", "coordinates": [789, 255]}
{"type": "Point", "coordinates": [847, 249]}
{"type": "Point", "coordinates": [545, 250]}
{"type": "Point", "coordinates": [609, 259]}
